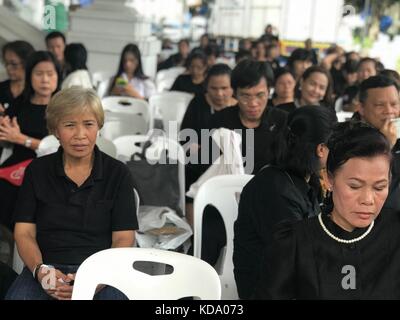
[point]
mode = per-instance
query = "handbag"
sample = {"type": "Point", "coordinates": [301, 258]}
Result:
{"type": "Point", "coordinates": [156, 182]}
{"type": "Point", "coordinates": [15, 173]}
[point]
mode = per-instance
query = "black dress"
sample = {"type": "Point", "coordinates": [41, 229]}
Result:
{"type": "Point", "coordinates": [272, 196]}
{"type": "Point", "coordinates": [6, 96]}
{"type": "Point", "coordinates": [184, 83]}
{"type": "Point", "coordinates": [305, 263]}
{"type": "Point", "coordinates": [32, 122]}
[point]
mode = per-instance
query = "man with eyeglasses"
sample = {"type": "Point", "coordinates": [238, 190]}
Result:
{"type": "Point", "coordinates": [250, 82]}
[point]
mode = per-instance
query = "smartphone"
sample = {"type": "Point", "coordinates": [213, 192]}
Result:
{"type": "Point", "coordinates": [396, 122]}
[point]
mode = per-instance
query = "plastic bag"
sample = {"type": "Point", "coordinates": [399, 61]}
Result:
{"type": "Point", "coordinates": [161, 228]}
{"type": "Point", "coordinates": [230, 162]}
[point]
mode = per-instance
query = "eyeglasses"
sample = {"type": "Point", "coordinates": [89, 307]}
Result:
{"type": "Point", "coordinates": [247, 98]}
{"type": "Point", "coordinates": [12, 65]}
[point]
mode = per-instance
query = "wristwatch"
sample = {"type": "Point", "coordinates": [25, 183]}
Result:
{"type": "Point", "coordinates": [28, 142]}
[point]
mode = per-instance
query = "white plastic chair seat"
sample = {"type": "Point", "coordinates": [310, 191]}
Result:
{"type": "Point", "coordinates": [191, 277]}
{"type": "Point", "coordinates": [221, 192]}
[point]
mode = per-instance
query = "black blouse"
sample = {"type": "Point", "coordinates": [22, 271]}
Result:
{"type": "Point", "coordinates": [6, 96]}
{"type": "Point", "coordinates": [272, 196]}
{"type": "Point", "coordinates": [305, 263]}
{"type": "Point", "coordinates": [74, 222]}
{"type": "Point", "coordinates": [184, 83]}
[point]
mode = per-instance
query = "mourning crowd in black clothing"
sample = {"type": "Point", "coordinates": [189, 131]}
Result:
{"type": "Point", "coordinates": [288, 103]}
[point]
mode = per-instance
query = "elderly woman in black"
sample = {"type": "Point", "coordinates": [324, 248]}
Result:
{"type": "Point", "coordinates": [72, 204]}
{"type": "Point", "coordinates": [352, 249]}
{"type": "Point", "coordinates": [288, 189]}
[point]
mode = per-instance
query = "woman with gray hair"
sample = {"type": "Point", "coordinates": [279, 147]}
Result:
{"type": "Point", "coordinates": [72, 203]}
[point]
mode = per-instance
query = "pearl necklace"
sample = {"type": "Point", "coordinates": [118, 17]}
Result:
{"type": "Point", "coordinates": [342, 240]}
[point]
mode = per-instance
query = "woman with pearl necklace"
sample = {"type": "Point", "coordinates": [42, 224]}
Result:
{"type": "Point", "coordinates": [352, 249]}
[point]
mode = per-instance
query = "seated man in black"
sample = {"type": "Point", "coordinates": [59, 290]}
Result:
{"type": "Point", "coordinates": [379, 104]}
{"type": "Point", "coordinates": [250, 82]}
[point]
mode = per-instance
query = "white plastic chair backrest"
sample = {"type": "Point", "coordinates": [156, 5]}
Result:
{"type": "Point", "coordinates": [171, 73]}
{"type": "Point", "coordinates": [107, 146]}
{"type": "Point", "coordinates": [128, 145]}
{"type": "Point", "coordinates": [47, 145]}
{"type": "Point", "coordinates": [118, 124]}
{"type": "Point", "coordinates": [171, 106]}
{"type": "Point", "coordinates": [191, 277]}
{"type": "Point", "coordinates": [222, 192]}
{"type": "Point", "coordinates": [344, 116]}
{"type": "Point", "coordinates": [102, 88]}
{"type": "Point", "coordinates": [165, 85]}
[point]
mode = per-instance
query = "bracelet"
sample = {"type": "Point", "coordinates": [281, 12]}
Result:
{"type": "Point", "coordinates": [36, 270]}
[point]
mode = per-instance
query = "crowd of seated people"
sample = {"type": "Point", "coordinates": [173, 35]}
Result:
{"type": "Point", "coordinates": [288, 104]}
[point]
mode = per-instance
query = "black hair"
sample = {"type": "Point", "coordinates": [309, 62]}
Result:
{"type": "Point", "coordinates": [350, 66]}
{"type": "Point", "coordinates": [366, 60]}
{"type": "Point", "coordinates": [281, 72]}
{"type": "Point", "coordinates": [243, 54]}
{"type": "Point", "coordinates": [196, 54]}
{"type": "Point", "coordinates": [295, 147]}
{"type": "Point", "coordinates": [55, 34]}
{"type": "Point", "coordinates": [33, 60]}
{"type": "Point", "coordinates": [327, 100]}
{"type": "Point", "coordinates": [378, 81]}
{"type": "Point", "coordinates": [133, 49]}
{"type": "Point", "coordinates": [299, 54]}
{"type": "Point", "coordinates": [248, 73]}
{"type": "Point", "coordinates": [219, 69]}
{"type": "Point", "coordinates": [212, 50]}
{"type": "Point", "coordinates": [353, 139]}
{"type": "Point", "coordinates": [392, 74]}
{"type": "Point", "coordinates": [75, 57]}
{"type": "Point", "coordinates": [21, 48]}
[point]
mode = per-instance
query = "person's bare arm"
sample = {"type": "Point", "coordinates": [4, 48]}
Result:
{"type": "Point", "coordinates": [122, 239]}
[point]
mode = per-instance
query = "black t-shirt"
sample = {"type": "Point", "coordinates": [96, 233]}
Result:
{"type": "Point", "coordinates": [74, 222]}
{"type": "Point", "coordinates": [305, 263]}
{"type": "Point", "coordinates": [287, 107]}
{"type": "Point", "coordinates": [32, 122]}
{"type": "Point", "coordinates": [272, 196]}
{"type": "Point", "coordinates": [184, 83]}
{"type": "Point", "coordinates": [6, 96]}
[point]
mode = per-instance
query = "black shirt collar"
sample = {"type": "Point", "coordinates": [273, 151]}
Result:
{"type": "Point", "coordinates": [97, 170]}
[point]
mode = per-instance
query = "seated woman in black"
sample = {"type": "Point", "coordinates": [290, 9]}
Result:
{"type": "Point", "coordinates": [192, 81]}
{"type": "Point", "coordinates": [14, 55]}
{"type": "Point", "coordinates": [218, 96]}
{"type": "Point", "coordinates": [352, 249]}
{"type": "Point", "coordinates": [24, 124]}
{"type": "Point", "coordinates": [283, 96]}
{"type": "Point", "coordinates": [286, 190]}
{"type": "Point", "coordinates": [315, 88]}
{"type": "Point", "coordinates": [72, 204]}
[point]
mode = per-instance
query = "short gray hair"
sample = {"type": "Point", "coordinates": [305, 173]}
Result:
{"type": "Point", "coordinates": [70, 101]}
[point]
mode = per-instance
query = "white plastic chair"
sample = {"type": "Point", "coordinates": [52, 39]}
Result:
{"type": "Point", "coordinates": [221, 192]}
{"type": "Point", "coordinates": [171, 106]}
{"type": "Point", "coordinates": [47, 145]}
{"type": "Point", "coordinates": [344, 116]}
{"type": "Point", "coordinates": [118, 124]}
{"type": "Point", "coordinates": [166, 78]}
{"type": "Point", "coordinates": [107, 146]}
{"type": "Point", "coordinates": [191, 277]}
{"type": "Point", "coordinates": [128, 145]}
{"type": "Point", "coordinates": [102, 88]}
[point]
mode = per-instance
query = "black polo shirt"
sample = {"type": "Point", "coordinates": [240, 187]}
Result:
{"type": "Point", "coordinates": [74, 222]}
